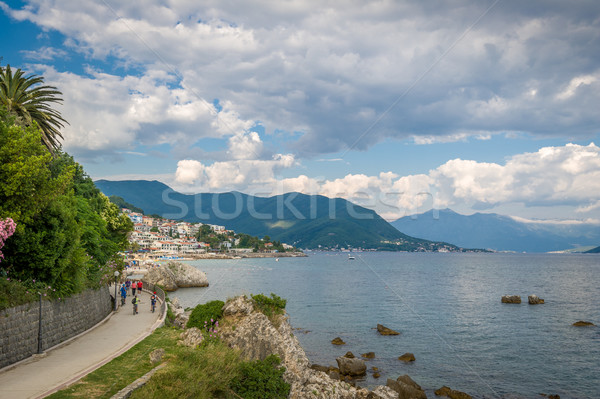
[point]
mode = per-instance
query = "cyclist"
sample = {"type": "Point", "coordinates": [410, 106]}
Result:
{"type": "Point", "coordinates": [135, 302]}
{"type": "Point", "coordinates": [123, 294]}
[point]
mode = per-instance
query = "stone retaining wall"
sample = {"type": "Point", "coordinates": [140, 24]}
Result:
{"type": "Point", "coordinates": [61, 320]}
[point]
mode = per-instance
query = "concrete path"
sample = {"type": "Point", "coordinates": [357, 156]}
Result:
{"type": "Point", "coordinates": [67, 364]}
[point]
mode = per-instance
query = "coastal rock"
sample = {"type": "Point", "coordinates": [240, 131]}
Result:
{"type": "Point", "coordinates": [368, 355]}
{"type": "Point", "coordinates": [256, 337]}
{"type": "Point", "coordinates": [338, 341]}
{"type": "Point", "coordinates": [181, 317]}
{"type": "Point", "coordinates": [175, 275]}
{"type": "Point", "coordinates": [351, 366]}
{"type": "Point", "coordinates": [582, 323]}
{"type": "Point", "coordinates": [407, 357]}
{"type": "Point", "coordinates": [382, 392]}
{"type": "Point", "coordinates": [156, 355]}
{"type": "Point", "coordinates": [535, 300]}
{"type": "Point", "coordinates": [349, 355]}
{"type": "Point", "coordinates": [451, 393]}
{"type": "Point", "coordinates": [239, 306]}
{"type": "Point", "coordinates": [511, 299]}
{"type": "Point", "coordinates": [386, 331]}
{"type": "Point", "coordinates": [406, 388]}
{"type": "Point", "coordinates": [191, 337]}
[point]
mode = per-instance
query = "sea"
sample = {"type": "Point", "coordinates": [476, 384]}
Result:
{"type": "Point", "coordinates": [447, 308]}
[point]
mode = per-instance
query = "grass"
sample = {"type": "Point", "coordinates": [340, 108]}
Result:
{"type": "Point", "coordinates": [212, 371]}
{"type": "Point", "coordinates": [123, 370]}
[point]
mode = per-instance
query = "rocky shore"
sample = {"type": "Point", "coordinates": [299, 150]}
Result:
{"type": "Point", "coordinates": [257, 336]}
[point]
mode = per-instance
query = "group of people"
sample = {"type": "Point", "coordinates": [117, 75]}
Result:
{"type": "Point", "coordinates": [136, 286]}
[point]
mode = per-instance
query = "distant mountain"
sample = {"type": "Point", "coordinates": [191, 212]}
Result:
{"type": "Point", "coordinates": [306, 221]}
{"type": "Point", "coordinates": [593, 251]}
{"type": "Point", "coordinates": [493, 231]}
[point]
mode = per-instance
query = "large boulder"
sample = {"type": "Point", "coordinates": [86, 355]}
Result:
{"type": "Point", "coordinates": [351, 366]}
{"type": "Point", "coordinates": [511, 299]}
{"type": "Point", "coordinates": [383, 330]}
{"type": "Point", "coordinates": [406, 388]}
{"type": "Point", "coordinates": [175, 275]}
{"type": "Point", "coordinates": [534, 300]}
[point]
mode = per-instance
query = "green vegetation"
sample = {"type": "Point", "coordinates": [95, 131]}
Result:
{"type": "Point", "coordinates": [270, 307]}
{"type": "Point", "coordinates": [25, 97]}
{"type": "Point", "coordinates": [206, 313]}
{"type": "Point", "coordinates": [67, 232]}
{"type": "Point", "coordinates": [121, 203]}
{"type": "Point", "coordinates": [262, 380]}
{"type": "Point", "coordinates": [212, 371]}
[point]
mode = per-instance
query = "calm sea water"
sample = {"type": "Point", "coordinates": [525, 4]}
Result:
{"type": "Point", "coordinates": [448, 310]}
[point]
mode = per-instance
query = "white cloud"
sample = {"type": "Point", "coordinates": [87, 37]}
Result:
{"type": "Point", "coordinates": [329, 72]}
{"type": "Point", "coordinates": [551, 176]}
{"type": "Point", "coordinates": [249, 174]}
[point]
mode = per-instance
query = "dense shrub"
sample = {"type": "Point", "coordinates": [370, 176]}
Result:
{"type": "Point", "coordinates": [269, 306]}
{"type": "Point", "coordinates": [207, 312]}
{"type": "Point", "coordinates": [261, 380]}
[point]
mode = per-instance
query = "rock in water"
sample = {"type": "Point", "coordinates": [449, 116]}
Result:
{"type": "Point", "coordinates": [511, 299]}
{"type": "Point", "coordinates": [386, 331]}
{"type": "Point", "coordinates": [349, 355]}
{"type": "Point", "coordinates": [582, 323]}
{"type": "Point", "coordinates": [406, 388]}
{"type": "Point", "coordinates": [175, 275]}
{"type": "Point", "coordinates": [451, 393]}
{"type": "Point", "coordinates": [338, 341]}
{"type": "Point", "coordinates": [351, 366]}
{"type": "Point", "coordinates": [535, 300]}
{"type": "Point", "coordinates": [368, 355]}
{"type": "Point", "coordinates": [407, 357]}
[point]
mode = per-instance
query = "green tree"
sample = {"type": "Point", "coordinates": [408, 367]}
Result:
{"type": "Point", "coordinates": [27, 98]}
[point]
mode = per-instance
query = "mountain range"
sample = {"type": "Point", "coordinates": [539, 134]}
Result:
{"type": "Point", "coordinates": [498, 232]}
{"type": "Point", "coordinates": [305, 221]}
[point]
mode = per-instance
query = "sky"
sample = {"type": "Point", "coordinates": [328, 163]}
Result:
{"type": "Point", "coordinates": [477, 106]}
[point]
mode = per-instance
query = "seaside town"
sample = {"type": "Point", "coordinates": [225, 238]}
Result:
{"type": "Point", "coordinates": [156, 238]}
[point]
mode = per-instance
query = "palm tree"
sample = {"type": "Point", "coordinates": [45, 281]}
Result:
{"type": "Point", "coordinates": [24, 97]}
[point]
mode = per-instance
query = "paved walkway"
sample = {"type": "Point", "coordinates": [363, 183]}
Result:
{"type": "Point", "coordinates": [67, 364]}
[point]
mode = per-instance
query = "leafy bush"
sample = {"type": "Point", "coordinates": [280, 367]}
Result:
{"type": "Point", "coordinates": [207, 312]}
{"type": "Point", "coordinates": [261, 380]}
{"type": "Point", "coordinates": [269, 306]}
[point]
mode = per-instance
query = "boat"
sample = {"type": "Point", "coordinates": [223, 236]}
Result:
{"type": "Point", "coordinates": [350, 257]}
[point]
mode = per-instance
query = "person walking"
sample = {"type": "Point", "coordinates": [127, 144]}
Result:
{"type": "Point", "coordinates": [128, 285]}
{"type": "Point", "coordinates": [133, 288]}
{"type": "Point", "coordinates": [153, 299]}
{"type": "Point", "coordinates": [139, 286]}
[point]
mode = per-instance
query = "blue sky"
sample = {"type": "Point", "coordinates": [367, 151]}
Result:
{"type": "Point", "coordinates": [485, 106]}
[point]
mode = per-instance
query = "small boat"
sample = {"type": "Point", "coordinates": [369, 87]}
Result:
{"type": "Point", "coordinates": [350, 257]}
{"type": "Point", "coordinates": [276, 259]}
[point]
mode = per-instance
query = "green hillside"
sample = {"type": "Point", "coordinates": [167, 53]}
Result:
{"type": "Point", "coordinates": [306, 221]}
{"type": "Point", "coordinates": [593, 251]}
